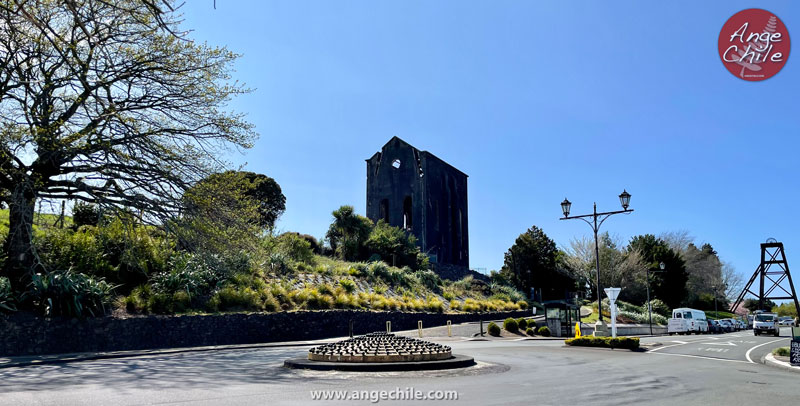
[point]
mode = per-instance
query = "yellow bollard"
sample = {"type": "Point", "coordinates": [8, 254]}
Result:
{"type": "Point", "coordinates": [449, 329]}
{"type": "Point", "coordinates": [577, 330]}
{"type": "Point", "coordinates": [419, 326]}
{"type": "Point", "coordinates": [388, 326]}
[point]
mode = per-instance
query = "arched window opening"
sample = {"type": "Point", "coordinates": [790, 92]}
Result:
{"type": "Point", "coordinates": [407, 220]}
{"type": "Point", "coordinates": [385, 210]}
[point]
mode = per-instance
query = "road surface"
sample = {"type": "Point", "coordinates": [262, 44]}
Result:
{"type": "Point", "coordinates": [685, 370]}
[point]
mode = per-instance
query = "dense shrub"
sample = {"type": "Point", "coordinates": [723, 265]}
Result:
{"type": "Point", "coordinates": [493, 329]}
{"type": "Point", "coordinates": [523, 323]}
{"type": "Point", "coordinates": [630, 343]}
{"type": "Point", "coordinates": [658, 306]}
{"type": "Point", "coordinates": [394, 246]}
{"type": "Point", "coordinates": [69, 294]}
{"type": "Point", "coordinates": [294, 247]}
{"type": "Point", "coordinates": [543, 331]}
{"type": "Point", "coordinates": [529, 331]}
{"type": "Point", "coordinates": [511, 325]}
{"type": "Point", "coordinates": [7, 298]}
{"type": "Point", "coordinates": [430, 280]}
{"type": "Point", "coordinates": [190, 273]}
{"type": "Point", "coordinates": [84, 214]}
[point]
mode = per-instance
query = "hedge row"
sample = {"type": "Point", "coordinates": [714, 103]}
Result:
{"type": "Point", "coordinates": [630, 343]}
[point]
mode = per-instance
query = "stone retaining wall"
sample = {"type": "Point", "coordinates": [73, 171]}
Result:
{"type": "Point", "coordinates": [25, 334]}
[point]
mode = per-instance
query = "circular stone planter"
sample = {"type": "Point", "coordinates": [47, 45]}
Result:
{"type": "Point", "coordinates": [456, 361]}
{"type": "Point", "coordinates": [380, 352]}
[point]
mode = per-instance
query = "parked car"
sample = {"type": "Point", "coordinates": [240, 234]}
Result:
{"type": "Point", "coordinates": [725, 325]}
{"type": "Point", "coordinates": [687, 321]}
{"type": "Point", "coordinates": [714, 327]}
{"type": "Point", "coordinates": [786, 321]}
{"type": "Point", "coordinates": [741, 324]}
{"type": "Point", "coordinates": [766, 323]}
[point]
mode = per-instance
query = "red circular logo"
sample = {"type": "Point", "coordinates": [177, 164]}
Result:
{"type": "Point", "coordinates": [754, 44]}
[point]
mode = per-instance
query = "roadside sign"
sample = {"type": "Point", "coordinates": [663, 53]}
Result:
{"type": "Point", "coordinates": [794, 353]}
{"type": "Point", "coordinates": [796, 333]}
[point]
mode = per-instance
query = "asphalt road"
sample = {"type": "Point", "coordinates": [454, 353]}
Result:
{"type": "Point", "coordinates": [509, 373]}
{"type": "Point", "coordinates": [742, 346]}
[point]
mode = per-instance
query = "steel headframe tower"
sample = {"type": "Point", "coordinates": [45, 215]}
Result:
{"type": "Point", "coordinates": [770, 280]}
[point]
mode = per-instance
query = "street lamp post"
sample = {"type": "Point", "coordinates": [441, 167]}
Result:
{"type": "Point", "coordinates": [661, 266]}
{"type": "Point", "coordinates": [624, 200]}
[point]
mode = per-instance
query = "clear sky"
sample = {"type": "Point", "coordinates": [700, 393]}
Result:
{"type": "Point", "coordinates": [535, 101]}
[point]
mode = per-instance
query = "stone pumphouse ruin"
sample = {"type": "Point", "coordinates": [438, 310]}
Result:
{"type": "Point", "coordinates": [424, 195]}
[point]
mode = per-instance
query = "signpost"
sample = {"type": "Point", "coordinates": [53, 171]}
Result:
{"type": "Point", "coordinates": [794, 353]}
{"type": "Point", "coordinates": [794, 349]}
{"type": "Point", "coordinates": [612, 294]}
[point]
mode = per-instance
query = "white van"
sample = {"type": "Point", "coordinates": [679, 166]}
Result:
{"type": "Point", "coordinates": [687, 321]}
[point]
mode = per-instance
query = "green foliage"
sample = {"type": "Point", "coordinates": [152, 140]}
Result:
{"type": "Point", "coordinates": [190, 273]}
{"type": "Point", "coordinates": [630, 343]}
{"type": "Point", "coordinates": [349, 285]}
{"type": "Point", "coordinates": [7, 298]}
{"type": "Point", "coordinates": [85, 215]}
{"type": "Point", "coordinates": [530, 331]}
{"type": "Point", "coordinates": [294, 247]}
{"type": "Point", "coordinates": [120, 252]}
{"type": "Point", "coordinates": [429, 280]}
{"type": "Point", "coordinates": [781, 351]}
{"type": "Point", "coordinates": [669, 285]}
{"type": "Point", "coordinates": [348, 233]}
{"type": "Point", "coordinates": [522, 323]}
{"type": "Point", "coordinates": [511, 325]}
{"type": "Point", "coordinates": [532, 262]}
{"type": "Point", "coordinates": [69, 294]}
{"type": "Point", "coordinates": [493, 329]}
{"type": "Point", "coordinates": [658, 306]}
{"type": "Point", "coordinates": [263, 190]}
{"type": "Point", "coordinates": [785, 309]}
{"type": "Point", "coordinates": [543, 331]}
{"type": "Point", "coordinates": [394, 246]}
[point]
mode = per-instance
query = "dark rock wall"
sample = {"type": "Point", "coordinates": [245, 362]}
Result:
{"type": "Point", "coordinates": [25, 334]}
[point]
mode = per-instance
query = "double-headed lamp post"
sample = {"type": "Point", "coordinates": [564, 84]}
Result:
{"type": "Point", "coordinates": [661, 267]}
{"type": "Point", "coordinates": [624, 200]}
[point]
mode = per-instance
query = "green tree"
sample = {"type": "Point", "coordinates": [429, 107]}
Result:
{"type": "Point", "coordinates": [395, 246]}
{"type": "Point", "coordinates": [532, 263]}
{"type": "Point", "coordinates": [108, 103]}
{"type": "Point", "coordinates": [348, 232]}
{"type": "Point", "coordinates": [263, 190]}
{"type": "Point", "coordinates": [669, 285]}
{"type": "Point", "coordinates": [219, 216]}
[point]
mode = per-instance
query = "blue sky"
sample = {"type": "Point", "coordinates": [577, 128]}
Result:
{"type": "Point", "coordinates": [535, 101]}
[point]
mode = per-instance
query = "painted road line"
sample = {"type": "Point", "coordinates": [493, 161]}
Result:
{"type": "Point", "coordinates": [699, 356]}
{"type": "Point", "coordinates": [747, 355]}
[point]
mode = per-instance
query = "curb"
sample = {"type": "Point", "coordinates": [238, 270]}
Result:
{"type": "Point", "coordinates": [771, 361]}
{"type": "Point", "coordinates": [64, 358]}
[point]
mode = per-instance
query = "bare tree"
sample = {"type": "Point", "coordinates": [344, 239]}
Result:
{"type": "Point", "coordinates": [106, 102]}
{"type": "Point", "coordinates": [732, 281]}
{"type": "Point", "coordinates": [678, 240]}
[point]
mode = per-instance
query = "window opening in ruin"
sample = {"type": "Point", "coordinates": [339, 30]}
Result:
{"type": "Point", "coordinates": [407, 221]}
{"type": "Point", "coordinates": [396, 164]}
{"type": "Point", "coordinates": [385, 210]}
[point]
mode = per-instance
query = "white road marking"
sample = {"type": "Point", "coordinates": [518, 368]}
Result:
{"type": "Point", "coordinates": [698, 356]}
{"type": "Point", "coordinates": [747, 355]}
{"type": "Point", "coordinates": [728, 343]}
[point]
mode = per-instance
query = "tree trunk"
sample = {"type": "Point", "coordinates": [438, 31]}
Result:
{"type": "Point", "coordinates": [20, 256]}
